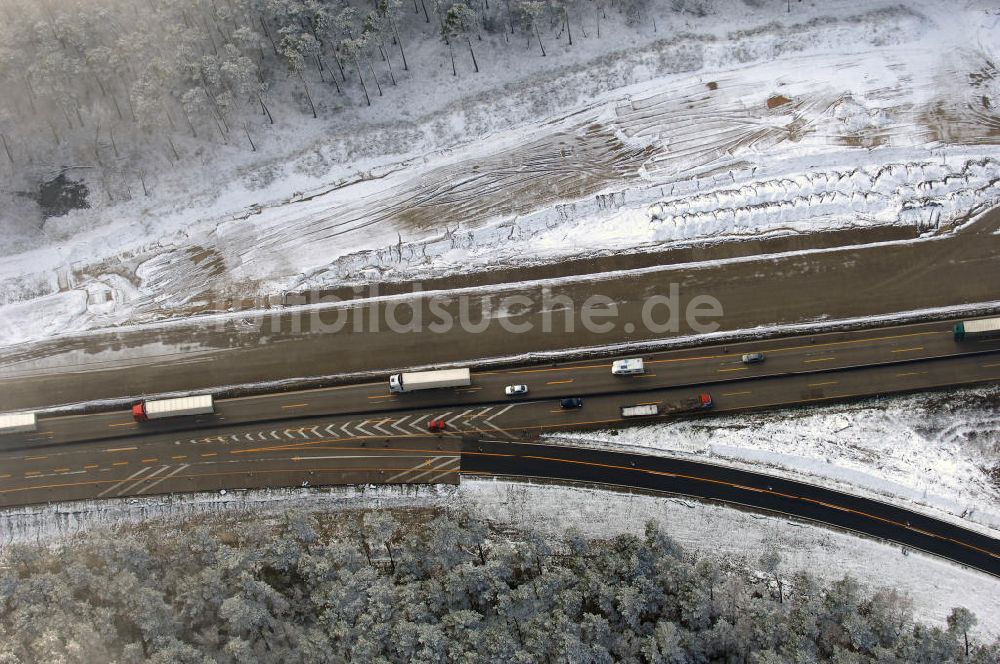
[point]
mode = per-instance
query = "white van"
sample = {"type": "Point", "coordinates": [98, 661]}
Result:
{"type": "Point", "coordinates": [630, 367]}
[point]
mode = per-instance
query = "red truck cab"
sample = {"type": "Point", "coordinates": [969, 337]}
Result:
{"type": "Point", "coordinates": [139, 412]}
{"type": "Point", "coordinates": [705, 399]}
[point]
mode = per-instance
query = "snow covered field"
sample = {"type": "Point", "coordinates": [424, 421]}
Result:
{"type": "Point", "coordinates": [935, 585]}
{"type": "Point", "coordinates": [834, 116]}
{"type": "Point", "coordinates": [937, 452]}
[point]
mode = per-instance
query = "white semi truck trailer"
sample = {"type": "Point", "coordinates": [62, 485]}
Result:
{"type": "Point", "coordinates": [642, 410]}
{"type": "Point", "coordinates": [428, 380]}
{"type": "Point", "coordinates": [981, 328]}
{"type": "Point", "coordinates": [18, 423]}
{"type": "Point", "coordinates": [161, 408]}
{"type": "Point", "coordinates": [698, 402]}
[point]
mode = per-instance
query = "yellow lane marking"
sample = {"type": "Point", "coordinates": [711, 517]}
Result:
{"type": "Point", "coordinates": [121, 424]}
{"type": "Point", "coordinates": [559, 382]}
{"type": "Point", "coordinates": [990, 366]}
{"type": "Point", "coordinates": [829, 382]}
{"type": "Point", "coordinates": [35, 458]}
{"type": "Point", "coordinates": [91, 466]}
{"type": "Point", "coordinates": [151, 460]}
{"type": "Point", "coordinates": [120, 449]}
{"type": "Point", "coordinates": [646, 376]}
{"type": "Point", "coordinates": [911, 373]}
{"type": "Point", "coordinates": [120, 463]}
{"type": "Point", "coordinates": [179, 456]}
{"type": "Point", "coordinates": [383, 396]}
{"type": "Point", "coordinates": [572, 368]}
{"type": "Point", "coordinates": [60, 470]}
{"type": "Point", "coordinates": [4, 476]}
{"type": "Point", "coordinates": [735, 369]}
{"type": "Point", "coordinates": [907, 350]}
{"type": "Point", "coordinates": [312, 443]}
{"type": "Point", "coordinates": [31, 473]}
{"type": "Point", "coordinates": [735, 394]}
{"type": "Point", "coordinates": [296, 405]}
{"type": "Point", "coordinates": [210, 454]}
{"type": "Point", "coordinates": [820, 359]}
{"type": "Point", "coordinates": [829, 344]}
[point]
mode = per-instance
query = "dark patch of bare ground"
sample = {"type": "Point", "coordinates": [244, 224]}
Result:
{"type": "Point", "coordinates": [777, 100]}
{"type": "Point", "coordinates": [60, 195]}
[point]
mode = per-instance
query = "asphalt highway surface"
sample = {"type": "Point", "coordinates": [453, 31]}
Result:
{"type": "Point", "coordinates": [360, 434]}
{"type": "Point", "coordinates": [707, 366]}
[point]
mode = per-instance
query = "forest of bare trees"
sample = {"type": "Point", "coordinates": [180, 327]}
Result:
{"type": "Point", "coordinates": [418, 586]}
{"type": "Point", "coordinates": [107, 84]}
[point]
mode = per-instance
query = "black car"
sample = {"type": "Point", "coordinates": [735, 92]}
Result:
{"type": "Point", "coordinates": [571, 402]}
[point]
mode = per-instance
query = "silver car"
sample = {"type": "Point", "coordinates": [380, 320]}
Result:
{"type": "Point", "coordinates": [515, 390]}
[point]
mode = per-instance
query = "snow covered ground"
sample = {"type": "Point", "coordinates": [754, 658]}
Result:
{"type": "Point", "coordinates": [745, 122]}
{"type": "Point", "coordinates": [935, 585]}
{"type": "Point", "coordinates": [937, 452]}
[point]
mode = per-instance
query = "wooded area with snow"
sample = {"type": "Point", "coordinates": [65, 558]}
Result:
{"type": "Point", "coordinates": [423, 586]}
{"type": "Point", "coordinates": [107, 82]}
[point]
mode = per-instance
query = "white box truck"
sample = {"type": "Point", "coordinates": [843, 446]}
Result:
{"type": "Point", "coordinates": [155, 410]}
{"type": "Point", "coordinates": [630, 367]}
{"type": "Point", "coordinates": [18, 423]}
{"type": "Point", "coordinates": [427, 380]}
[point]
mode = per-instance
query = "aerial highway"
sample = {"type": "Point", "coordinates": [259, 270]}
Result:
{"type": "Point", "coordinates": [494, 440]}
{"type": "Point", "coordinates": [706, 366]}
{"type": "Point", "coordinates": [359, 434]}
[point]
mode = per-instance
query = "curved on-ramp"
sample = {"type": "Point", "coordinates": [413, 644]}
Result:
{"type": "Point", "coordinates": [736, 487]}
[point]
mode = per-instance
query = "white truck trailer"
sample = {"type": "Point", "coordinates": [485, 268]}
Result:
{"type": "Point", "coordinates": [155, 410]}
{"type": "Point", "coordinates": [428, 380]}
{"type": "Point", "coordinates": [981, 328]}
{"type": "Point", "coordinates": [18, 423]}
{"type": "Point", "coordinates": [644, 410]}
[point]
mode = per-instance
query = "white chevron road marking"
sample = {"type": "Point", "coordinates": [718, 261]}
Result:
{"type": "Point", "coordinates": [133, 475]}
{"type": "Point", "coordinates": [165, 477]}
